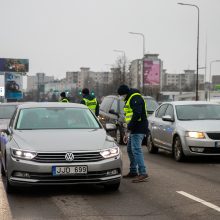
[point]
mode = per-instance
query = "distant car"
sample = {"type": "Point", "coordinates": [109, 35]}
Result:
{"type": "Point", "coordinates": [185, 128]}
{"type": "Point", "coordinates": [111, 111]}
{"type": "Point", "coordinates": [58, 144]}
{"type": "Point", "coordinates": [6, 112]}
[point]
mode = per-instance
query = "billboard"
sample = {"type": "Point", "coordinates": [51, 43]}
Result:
{"type": "Point", "coordinates": [151, 72]}
{"type": "Point", "coordinates": [14, 65]}
{"type": "Point", "coordinates": [13, 85]}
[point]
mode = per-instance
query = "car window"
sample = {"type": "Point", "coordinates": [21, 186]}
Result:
{"type": "Point", "coordinates": [56, 118]}
{"type": "Point", "coordinates": [115, 105]}
{"type": "Point", "coordinates": [198, 112]}
{"type": "Point", "coordinates": [6, 111]}
{"type": "Point", "coordinates": [170, 111]}
{"type": "Point", "coordinates": [106, 104]}
{"type": "Point", "coordinates": [161, 111]}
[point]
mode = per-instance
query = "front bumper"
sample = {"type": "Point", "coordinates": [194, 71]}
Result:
{"type": "Point", "coordinates": [191, 146]}
{"type": "Point", "coordinates": [41, 173]}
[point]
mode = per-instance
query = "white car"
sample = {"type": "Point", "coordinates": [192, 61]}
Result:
{"type": "Point", "coordinates": [185, 128]}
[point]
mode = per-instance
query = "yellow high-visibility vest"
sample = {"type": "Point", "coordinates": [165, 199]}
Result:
{"type": "Point", "coordinates": [91, 103]}
{"type": "Point", "coordinates": [128, 110]}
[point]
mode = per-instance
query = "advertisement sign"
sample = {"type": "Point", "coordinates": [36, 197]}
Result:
{"type": "Point", "coordinates": [13, 85]}
{"type": "Point", "coordinates": [151, 72]}
{"type": "Point", "coordinates": [14, 65]}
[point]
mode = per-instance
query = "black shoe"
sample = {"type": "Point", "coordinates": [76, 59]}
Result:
{"type": "Point", "coordinates": [130, 175]}
{"type": "Point", "coordinates": [141, 178]}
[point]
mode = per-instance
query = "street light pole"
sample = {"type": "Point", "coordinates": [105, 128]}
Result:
{"type": "Point", "coordinates": [123, 74]}
{"type": "Point", "coordinates": [142, 75]}
{"type": "Point", "coordinates": [197, 58]}
{"type": "Point", "coordinates": [210, 75]}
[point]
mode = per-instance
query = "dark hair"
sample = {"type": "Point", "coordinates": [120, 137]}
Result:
{"type": "Point", "coordinates": [85, 91]}
{"type": "Point", "coordinates": [63, 94]}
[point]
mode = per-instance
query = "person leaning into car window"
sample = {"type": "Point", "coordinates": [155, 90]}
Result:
{"type": "Point", "coordinates": [90, 101]}
{"type": "Point", "coordinates": [63, 97]}
{"type": "Point", "coordinates": [137, 125]}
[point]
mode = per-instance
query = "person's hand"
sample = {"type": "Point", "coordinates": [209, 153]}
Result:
{"type": "Point", "coordinates": [125, 138]}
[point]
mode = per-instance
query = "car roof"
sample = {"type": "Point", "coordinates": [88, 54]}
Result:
{"type": "Point", "coordinates": [51, 104]}
{"type": "Point", "coordinates": [10, 103]}
{"type": "Point", "coordinates": [190, 103]}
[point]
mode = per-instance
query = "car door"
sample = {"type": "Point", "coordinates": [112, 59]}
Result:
{"type": "Point", "coordinates": [156, 124]}
{"type": "Point", "coordinates": [105, 106]}
{"type": "Point", "coordinates": [167, 128]}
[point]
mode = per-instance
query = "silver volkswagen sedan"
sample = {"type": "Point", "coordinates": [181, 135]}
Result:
{"type": "Point", "coordinates": [185, 128]}
{"type": "Point", "coordinates": [59, 143]}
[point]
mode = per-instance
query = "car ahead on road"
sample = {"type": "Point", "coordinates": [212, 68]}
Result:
{"type": "Point", "coordinates": [185, 128]}
{"type": "Point", "coordinates": [6, 112]}
{"type": "Point", "coordinates": [59, 143]}
{"type": "Point", "coordinates": [111, 111]}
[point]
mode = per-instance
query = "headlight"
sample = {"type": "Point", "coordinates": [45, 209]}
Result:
{"type": "Point", "coordinates": [111, 152]}
{"type": "Point", "coordinates": [23, 154]}
{"type": "Point", "coordinates": [195, 134]}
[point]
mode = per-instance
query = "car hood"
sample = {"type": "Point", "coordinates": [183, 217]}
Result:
{"type": "Point", "coordinates": [200, 125]}
{"type": "Point", "coordinates": [57, 140]}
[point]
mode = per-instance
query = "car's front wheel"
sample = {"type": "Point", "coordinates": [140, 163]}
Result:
{"type": "Point", "coordinates": [119, 136]}
{"type": "Point", "coordinates": [178, 150]}
{"type": "Point", "coordinates": [2, 169]}
{"type": "Point", "coordinates": [112, 186]}
{"type": "Point", "coordinates": [150, 145]}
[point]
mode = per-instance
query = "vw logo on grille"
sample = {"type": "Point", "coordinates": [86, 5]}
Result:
{"type": "Point", "coordinates": [69, 156]}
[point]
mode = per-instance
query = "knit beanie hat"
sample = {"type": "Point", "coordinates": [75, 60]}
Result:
{"type": "Point", "coordinates": [123, 90]}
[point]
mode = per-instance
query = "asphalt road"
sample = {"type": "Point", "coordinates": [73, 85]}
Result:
{"type": "Point", "coordinates": [189, 190]}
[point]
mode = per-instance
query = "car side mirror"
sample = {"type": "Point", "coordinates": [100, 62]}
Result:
{"type": "Point", "coordinates": [167, 118]}
{"type": "Point", "coordinates": [110, 127]}
{"type": "Point", "coordinates": [112, 111]}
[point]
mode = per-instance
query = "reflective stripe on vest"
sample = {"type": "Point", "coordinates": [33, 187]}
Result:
{"type": "Point", "coordinates": [128, 110]}
{"type": "Point", "coordinates": [91, 103]}
{"type": "Point", "coordinates": [64, 100]}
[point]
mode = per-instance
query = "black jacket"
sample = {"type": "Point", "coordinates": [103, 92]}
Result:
{"type": "Point", "coordinates": [138, 107]}
{"type": "Point", "coordinates": [91, 97]}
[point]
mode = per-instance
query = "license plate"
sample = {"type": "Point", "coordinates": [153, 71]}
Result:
{"type": "Point", "coordinates": [217, 144]}
{"type": "Point", "coordinates": [69, 170]}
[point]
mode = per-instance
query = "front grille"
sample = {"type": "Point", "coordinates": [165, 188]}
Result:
{"type": "Point", "coordinates": [60, 157]}
{"type": "Point", "coordinates": [214, 136]}
{"type": "Point", "coordinates": [211, 150]}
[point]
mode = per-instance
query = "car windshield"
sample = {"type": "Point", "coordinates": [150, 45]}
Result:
{"type": "Point", "coordinates": [198, 112]}
{"type": "Point", "coordinates": [6, 111]}
{"type": "Point", "coordinates": [151, 104]}
{"type": "Point", "coordinates": [56, 118]}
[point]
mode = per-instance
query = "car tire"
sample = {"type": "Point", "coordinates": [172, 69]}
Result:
{"type": "Point", "coordinates": [8, 187]}
{"type": "Point", "coordinates": [112, 186]}
{"type": "Point", "coordinates": [150, 145]}
{"type": "Point", "coordinates": [119, 136]}
{"type": "Point", "coordinates": [178, 150]}
{"type": "Point", "coordinates": [2, 169]}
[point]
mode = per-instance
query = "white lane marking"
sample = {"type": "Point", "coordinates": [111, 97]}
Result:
{"type": "Point", "coordinates": [210, 205]}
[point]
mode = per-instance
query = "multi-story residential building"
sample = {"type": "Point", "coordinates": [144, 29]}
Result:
{"type": "Point", "coordinates": [33, 82]}
{"type": "Point", "coordinates": [181, 80]}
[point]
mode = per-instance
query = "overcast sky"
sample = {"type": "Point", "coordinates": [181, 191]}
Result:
{"type": "Point", "coordinates": [64, 35]}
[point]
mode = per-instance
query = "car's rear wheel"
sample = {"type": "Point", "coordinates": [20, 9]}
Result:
{"type": "Point", "coordinates": [150, 145]}
{"type": "Point", "coordinates": [178, 150]}
{"type": "Point", "coordinates": [112, 186]}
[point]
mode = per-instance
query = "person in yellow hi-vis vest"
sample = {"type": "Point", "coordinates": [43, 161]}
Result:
{"type": "Point", "coordinates": [63, 97]}
{"type": "Point", "coordinates": [90, 101]}
{"type": "Point", "coordinates": [135, 110]}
